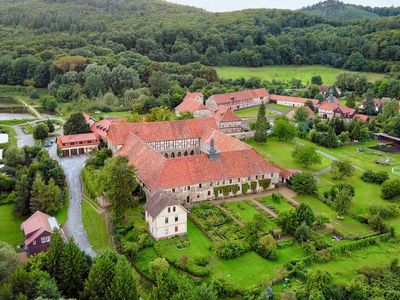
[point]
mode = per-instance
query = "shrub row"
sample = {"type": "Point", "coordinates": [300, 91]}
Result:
{"type": "Point", "coordinates": [375, 177]}
{"type": "Point", "coordinates": [230, 249]}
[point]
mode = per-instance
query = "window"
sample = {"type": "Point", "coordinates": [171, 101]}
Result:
{"type": "Point", "coordinates": [45, 239]}
{"type": "Point", "coordinates": [166, 230]}
{"type": "Point", "coordinates": [256, 177]}
{"type": "Point", "coordinates": [174, 208]}
{"type": "Point", "coordinates": [34, 243]}
{"type": "Point", "coordinates": [209, 193]}
{"type": "Point", "coordinates": [262, 177]}
{"type": "Point", "coordinates": [200, 185]}
{"type": "Point", "coordinates": [188, 188]}
{"type": "Point", "coordinates": [238, 179]}
{"type": "Point", "coordinates": [173, 190]}
{"type": "Point", "coordinates": [176, 228]}
{"type": "Point", "coordinates": [166, 220]}
{"type": "Point", "coordinates": [230, 180]}
{"type": "Point", "coordinates": [169, 209]}
{"type": "Point", "coordinates": [176, 219]}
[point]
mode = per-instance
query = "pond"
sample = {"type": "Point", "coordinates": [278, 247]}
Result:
{"type": "Point", "coordinates": [16, 116]}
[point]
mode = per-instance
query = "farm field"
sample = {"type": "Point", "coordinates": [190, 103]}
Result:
{"type": "Point", "coordinates": [344, 268]}
{"type": "Point", "coordinates": [280, 153]}
{"type": "Point", "coordinates": [348, 226]}
{"type": "Point", "coordinates": [284, 73]}
{"type": "Point", "coordinates": [10, 231]}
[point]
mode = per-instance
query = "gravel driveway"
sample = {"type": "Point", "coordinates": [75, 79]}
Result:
{"type": "Point", "coordinates": [74, 227]}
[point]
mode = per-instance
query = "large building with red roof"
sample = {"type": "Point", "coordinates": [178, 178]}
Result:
{"type": "Point", "coordinates": [191, 159]}
{"type": "Point", "coordinates": [193, 103]}
{"type": "Point", "coordinates": [291, 100]}
{"type": "Point", "coordinates": [77, 144]}
{"type": "Point", "coordinates": [238, 100]}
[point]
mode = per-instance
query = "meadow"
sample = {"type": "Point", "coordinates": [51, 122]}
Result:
{"type": "Point", "coordinates": [284, 73]}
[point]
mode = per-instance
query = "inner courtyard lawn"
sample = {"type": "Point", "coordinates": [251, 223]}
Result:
{"type": "Point", "coordinates": [348, 226]}
{"type": "Point", "coordinates": [284, 73]}
{"type": "Point", "coordinates": [10, 231]}
{"type": "Point", "coordinates": [279, 207]}
{"type": "Point", "coordinates": [252, 112]}
{"type": "Point", "coordinates": [280, 153]}
{"type": "Point", "coordinates": [345, 267]}
{"type": "Point", "coordinates": [366, 194]}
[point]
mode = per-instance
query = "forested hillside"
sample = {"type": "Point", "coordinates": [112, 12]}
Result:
{"type": "Point", "coordinates": [108, 32]}
{"type": "Point", "coordinates": [339, 11]}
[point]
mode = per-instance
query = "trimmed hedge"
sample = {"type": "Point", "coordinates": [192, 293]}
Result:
{"type": "Point", "coordinates": [226, 190]}
{"type": "Point", "coordinates": [264, 183]}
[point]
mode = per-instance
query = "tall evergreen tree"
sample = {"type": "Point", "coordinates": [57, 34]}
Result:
{"type": "Point", "coordinates": [54, 257]}
{"type": "Point", "coordinates": [123, 285]}
{"type": "Point", "coordinates": [38, 190]}
{"type": "Point", "coordinates": [331, 140]}
{"type": "Point", "coordinates": [76, 266]}
{"type": "Point", "coordinates": [76, 124]}
{"type": "Point", "coordinates": [262, 126]}
{"type": "Point", "coordinates": [22, 195]}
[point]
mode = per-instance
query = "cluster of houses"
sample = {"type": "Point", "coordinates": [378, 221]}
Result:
{"type": "Point", "coordinates": [182, 162]}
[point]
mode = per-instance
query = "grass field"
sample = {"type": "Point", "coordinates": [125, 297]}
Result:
{"type": "Point", "coordinates": [96, 228]}
{"type": "Point", "coordinates": [366, 194]}
{"type": "Point", "coordinates": [279, 207]}
{"type": "Point", "coordinates": [280, 154]}
{"type": "Point", "coordinates": [244, 210]}
{"type": "Point", "coordinates": [15, 122]}
{"type": "Point", "coordinates": [252, 112]}
{"type": "Point", "coordinates": [10, 231]}
{"type": "Point", "coordinates": [348, 226]}
{"type": "Point", "coordinates": [344, 268]}
{"type": "Point", "coordinates": [284, 73]}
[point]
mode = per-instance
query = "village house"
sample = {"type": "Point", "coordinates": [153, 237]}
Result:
{"type": "Point", "coordinates": [165, 216]}
{"type": "Point", "coordinates": [191, 159]}
{"type": "Point", "coordinates": [238, 100]}
{"type": "Point", "coordinates": [227, 121]}
{"type": "Point", "coordinates": [377, 104]}
{"type": "Point", "coordinates": [291, 101]}
{"type": "Point", "coordinates": [77, 144]}
{"type": "Point", "coordinates": [193, 103]}
{"type": "Point", "coordinates": [37, 230]}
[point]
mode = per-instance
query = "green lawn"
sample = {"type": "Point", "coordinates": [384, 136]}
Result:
{"type": "Point", "coordinates": [244, 210]}
{"type": "Point", "coordinates": [366, 160]}
{"type": "Point", "coordinates": [284, 73]}
{"type": "Point", "coordinates": [348, 226]}
{"type": "Point", "coordinates": [366, 194]}
{"type": "Point", "coordinates": [343, 269]}
{"type": "Point", "coordinates": [96, 228]}
{"type": "Point", "coordinates": [15, 122]}
{"type": "Point", "coordinates": [279, 207]}
{"type": "Point", "coordinates": [10, 231]}
{"type": "Point", "coordinates": [252, 112]}
{"type": "Point", "coordinates": [280, 153]}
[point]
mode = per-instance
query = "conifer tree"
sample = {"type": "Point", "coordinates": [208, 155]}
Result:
{"type": "Point", "coordinates": [38, 190]}
{"type": "Point", "coordinates": [53, 259]}
{"type": "Point", "coordinates": [22, 195]}
{"type": "Point", "coordinates": [123, 285]}
{"type": "Point", "coordinates": [262, 126]}
{"type": "Point", "coordinates": [76, 266]}
{"type": "Point", "coordinates": [331, 139]}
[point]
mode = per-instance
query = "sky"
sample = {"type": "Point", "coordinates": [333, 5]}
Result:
{"type": "Point", "coordinates": [229, 5]}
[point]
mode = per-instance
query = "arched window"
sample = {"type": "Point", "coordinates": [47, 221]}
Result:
{"type": "Point", "coordinates": [166, 155]}
{"type": "Point", "coordinates": [186, 153]}
{"type": "Point", "coordinates": [179, 154]}
{"type": "Point", "coordinates": [172, 155]}
{"type": "Point", "coordinates": [192, 152]}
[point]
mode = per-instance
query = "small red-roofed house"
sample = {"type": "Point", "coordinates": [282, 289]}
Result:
{"type": "Point", "coordinates": [326, 110]}
{"type": "Point", "coordinates": [37, 230]}
{"type": "Point", "coordinates": [77, 144]}
{"type": "Point", "coordinates": [193, 103]}
{"type": "Point", "coordinates": [362, 117]}
{"type": "Point", "coordinates": [227, 121]}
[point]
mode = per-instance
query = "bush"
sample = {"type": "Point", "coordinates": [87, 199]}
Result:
{"type": "Point", "coordinates": [385, 212]}
{"type": "Point", "coordinates": [266, 247]}
{"type": "Point", "coordinates": [372, 177]}
{"type": "Point", "coordinates": [196, 270]}
{"type": "Point", "coordinates": [230, 249]}
{"type": "Point", "coordinates": [303, 183]}
{"type": "Point", "coordinates": [158, 266]}
{"type": "Point", "coordinates": [341, 168]}
{"type": "Point", "coordinates": [391, 189]}
{"type": "Point", "coordinates": [202, 261]}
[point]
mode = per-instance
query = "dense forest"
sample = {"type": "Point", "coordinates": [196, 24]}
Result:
{"type": "Point", "coordinates": [337, 10]}
{"type": "Point", "coordinates": [36, 33]}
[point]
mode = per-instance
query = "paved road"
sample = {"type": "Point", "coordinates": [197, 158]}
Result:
{"type": "Point", "coordinates": [74, 227]}
{"type": "Point", "coordinates": [22, 138]}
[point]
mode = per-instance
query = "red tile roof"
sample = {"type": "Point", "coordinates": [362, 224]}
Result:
{"type": "Point", "coordinates": [35, 225]}
{"type": "Point", "coordinates": [224, 114]}
{"type": "Point", "coordinates": [239, 96]}
{"type": "Point", "coordinates": [361, 117]}
{"type": "Point", "coordinates": [347, 110]}
{"type": "Point", "coordinates": [191, 103]}
{"type": "Point", "coordinates": [328, 106]}
{"type": "Point", "coordinates": [160, 131]}
{"type": "Point", "coordinates": [75, 138]}
{"type": "Point", "coordinates": [287, 173]}
{"type": "Point", "coordinates": [292, 99]}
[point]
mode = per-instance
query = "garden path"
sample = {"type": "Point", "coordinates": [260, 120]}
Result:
{"type": "Point", "coordinates": [230, 214]}
{"type": "Point", "coordinates": [264, 208]}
